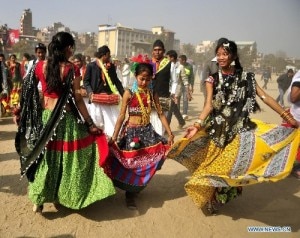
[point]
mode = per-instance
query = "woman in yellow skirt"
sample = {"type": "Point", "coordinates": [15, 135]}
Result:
{"type": "Point", "coordinates": [225, 149]}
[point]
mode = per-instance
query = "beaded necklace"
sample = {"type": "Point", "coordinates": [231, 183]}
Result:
{"type": "Point", "coordinates": [228, 89]}
{"type": "Point", "coordinates": [145, 111]}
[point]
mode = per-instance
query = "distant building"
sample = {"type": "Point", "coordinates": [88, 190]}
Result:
{"type": "Point", "coordinates": [26, 23]}
{"type": "Point", "coordinates": [204, 46]}
{"type": "Point", "coordinates": [251, 44]}
{"type": "Point", "coordinates": [126, 41]}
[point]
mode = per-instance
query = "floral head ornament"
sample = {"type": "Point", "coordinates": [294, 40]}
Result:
{"type": "Point", "coordinates": [137, 60]}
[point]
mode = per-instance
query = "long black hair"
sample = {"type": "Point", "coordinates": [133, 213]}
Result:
{"type": "Point", "coordinates": [57, 54]}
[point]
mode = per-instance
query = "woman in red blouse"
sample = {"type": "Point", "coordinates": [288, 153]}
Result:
{"type": "Point", "coordinates": [62, 164]}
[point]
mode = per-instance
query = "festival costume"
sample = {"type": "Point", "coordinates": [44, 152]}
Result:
{"type": "Point", "coordinates": [140, 151]}
{"type": "Point", "coordinates": [15, 73]}
{"type": "Point", "coordinates": [102, 78]}
{"type": "Point", "coordinates": [60, 158]}
{"type": "Point", "coordinates": [161, 86]}
{"type": "Point", "coordinates": [233, 150]}
{"type": "Point", "coordinates": [295, 107]}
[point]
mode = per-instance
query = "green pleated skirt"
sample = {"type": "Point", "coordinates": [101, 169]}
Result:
{"type": "Point", "coordinates": [69, 173]}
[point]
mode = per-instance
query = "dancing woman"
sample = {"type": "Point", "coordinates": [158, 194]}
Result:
{"type": "Point", "coordinates": [141, 151]}
{"type": "Point", "coordinates": [225, 149]}
{"type": "Point", "coordinates": [59, 154]}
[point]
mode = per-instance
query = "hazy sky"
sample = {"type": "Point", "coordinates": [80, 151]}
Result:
{"type": "Point", "coordinates": [273, 24]}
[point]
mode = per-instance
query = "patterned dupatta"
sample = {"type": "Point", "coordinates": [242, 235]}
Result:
{"type": "Point", "coordinates": [32, 136]}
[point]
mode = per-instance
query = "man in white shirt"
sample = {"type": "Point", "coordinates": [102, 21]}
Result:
{"type": "Point", "coordinates": [126, 73]}
{"type": "Point", "coordinates": [40, 53]}
{"type": "Point", "coordinates": [178, 80]}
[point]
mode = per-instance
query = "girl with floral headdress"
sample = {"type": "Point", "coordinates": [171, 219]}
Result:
{"type": "Point", "coordinates": [140, 151]}
{"type": "Point", "coordinates": [226, 149]}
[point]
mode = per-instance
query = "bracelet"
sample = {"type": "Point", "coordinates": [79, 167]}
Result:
{"type": "Point", "coordinates": [284, 113]}
{"type": "Point", "coordinates": [262, 97]}
{"type": "Point", "coordinates": [197, 125]}
{"type": "Point", "coordinates": [200, 122]}
{"type": "Point", "coordinates": [287, 116]}
{"type": "Point", "coordinates": [89, 122]}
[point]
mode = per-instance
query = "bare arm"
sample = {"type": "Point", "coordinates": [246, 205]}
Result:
{"type": "Point", "coordinates": [271, 102]}
{"type": "Point", "coordinates": [295, 94]}
{"type": "Point", "coordinates": [82, 107]}
{"type": "Point", "coordinates": [163, 120]}
{"type": "Point", "coordinates": [125, 99]}
{"type": "Point", "coordinates": [207, 108]}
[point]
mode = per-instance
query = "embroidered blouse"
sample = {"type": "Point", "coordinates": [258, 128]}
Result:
{"type": "Point", "coordinates": [134, 107]}
{"type": "Point", "coordinates": [234, 98]}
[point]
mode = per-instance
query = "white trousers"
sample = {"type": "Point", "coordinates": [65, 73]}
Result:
{"type": "Point", "coordinates": [156, 123]}
{"type": "Point", "coordinates": [104, 116]}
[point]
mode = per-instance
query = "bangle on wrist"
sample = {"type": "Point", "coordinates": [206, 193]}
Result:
{"type": "Point", "coordinates": [197, 125]}
{"type": "Point", "coordinates": [200, 122]}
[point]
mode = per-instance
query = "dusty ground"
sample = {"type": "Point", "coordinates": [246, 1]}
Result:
{"type": "Point", "coordinates": [164, 210]}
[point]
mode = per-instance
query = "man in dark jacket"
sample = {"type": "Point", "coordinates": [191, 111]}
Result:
{"type": "Point", "coordinates": [284, 82]}
{"type": "Point", "coordinates": [101, 77]}
{"type": "Point", "coordinates": [161, 82]}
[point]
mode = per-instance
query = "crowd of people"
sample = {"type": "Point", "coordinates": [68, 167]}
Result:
{"type": "Point", "coordinates": [84, 128]}
{"type": "Point", "coordinates": [13, 73]}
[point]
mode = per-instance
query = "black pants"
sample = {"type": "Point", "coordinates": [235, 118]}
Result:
{"type": "Point", "coordinates": [174, 109]}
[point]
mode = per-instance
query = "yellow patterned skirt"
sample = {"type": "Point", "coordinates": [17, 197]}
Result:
{"type": "Point", "coordinates": [261, 155]}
